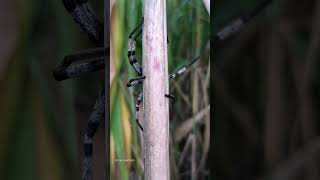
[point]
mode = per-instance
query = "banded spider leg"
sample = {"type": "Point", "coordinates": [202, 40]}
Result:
{"type": "Point", "coordinates": [95, 118]}
{"type": "Point", "coordinates": [83, 62]}
{"type": "Point", "coordinates": [89, 60]}
{"type": "Point", "coordinates": [138, 69]}
{"type": "Point", "coordinates": [132, 48]}
{"type": "Point", "coordinates": [236, 25]}
{"type": "Point", "coordinates": [74, 65]}
{"type": "Point", "coordinates": [139, 80]}
{"type": "Point", "coordinates": [139, 100]}
{"type": "Point", "coordinates": [84, 16]}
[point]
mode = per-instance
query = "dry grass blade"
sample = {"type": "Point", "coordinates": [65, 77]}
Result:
{"type": "Point", "coordinates": [206, 133]}
{"type": "Point", "coordinates": [173, 164]}
{"type": "Point", "coordinates": [140, 163]}
{"type": "Point", "coordinates": [194, 159]}
{"type": "Point", "coordinates": [195, 91]}
{"type": "Point", "coordinates": [296, 162]}
{"type": "Point", "coordinates": [242, 112]}
{"type": "Point", "coordinates": [183, 95]}
{"type": "Point", "coordinates": [185, 149]}
{"type": "Point", "coordinates": [188, 124]}
{"type": "Point", "coordinates": [276, 106]}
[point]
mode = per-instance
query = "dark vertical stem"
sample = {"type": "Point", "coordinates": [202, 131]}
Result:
{"type": "Point", "coordinates": [107, 84]}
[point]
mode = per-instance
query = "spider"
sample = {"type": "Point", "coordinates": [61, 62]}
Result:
{"type": "Point", "coordinates": [238, 23]}
{"type": "Point", "coordinates": [83, 62]}
{"type": "Point", "coordinates": [138, 69]}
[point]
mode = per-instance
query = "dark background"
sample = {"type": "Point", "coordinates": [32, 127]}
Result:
{"type": "Point", "coordinates": [42, 121]}
{"type": "Point", "coordinates": [266, 92]}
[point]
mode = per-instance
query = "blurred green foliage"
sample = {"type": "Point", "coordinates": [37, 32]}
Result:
{"type": "Point", "coordinates": [39, 116]}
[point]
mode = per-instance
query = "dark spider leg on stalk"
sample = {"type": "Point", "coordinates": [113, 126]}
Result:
{"type": "Point", "coordinates": [93, 59]}
{"type": "Point", "coordinates": [83, 62]}
{"type": "Point", "coordinates": [83, 15]}
{"type": "Point", "coordinates": [135, 81]}
{"type": "Point", "coordinates": [137, 67]}
{"type": "Point", "coordinates": [139, 80]}
{"type": "Point", "coordinates": [96, 117]}
{"type": "Point", "coordinates": [79, 63]}
{"type": "Point", "coordinates": [178, 73]}
{"type": "Point", "coordinates": [183, 69]}
{"type": "Point", "coordinates": [132, 48]}
{"type": "Point", "coordinates": [240, 22]}
{"type": "Point", "coordinates": [63, 73]}
{"type": "Point", "coordinates": [85, 54]}
{"type": "Point", "coordinates": [139, 100]}
{"type": "Point", "coordinates": [169, 96]}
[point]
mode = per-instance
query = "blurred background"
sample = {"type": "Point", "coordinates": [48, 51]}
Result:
{"type": "Point", "coordinates": [42, 121]}
{"type": "Point", "coordinates": [188, 27]}
{"type": "Point", "coordinates": [266, 90]}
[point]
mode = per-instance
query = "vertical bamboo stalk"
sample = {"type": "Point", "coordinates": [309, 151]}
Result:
{"type": "Point", "coordinates": [156, 110]}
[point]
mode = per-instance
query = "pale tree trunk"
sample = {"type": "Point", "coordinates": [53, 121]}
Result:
{"type": "Point", "coordinates": [155, 86]}
{"type": "Point", "coordinates": [207, 5]}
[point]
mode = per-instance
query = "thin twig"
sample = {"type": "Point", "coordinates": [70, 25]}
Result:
{"type": "Point", "coordinates": [194, 159]}
{"type": "Point", "coordinates": [235, 26]}
{"type": "Point", "coordinates": [206, 133]}
{"type": "Point", "coordinates": [185, 149]}
{"type": "Point", "coordinates": [183, 95]}
{"type": "Point", "coordinates": [289, 168]}
{"type": "Point", "coordinates": [188, 124]}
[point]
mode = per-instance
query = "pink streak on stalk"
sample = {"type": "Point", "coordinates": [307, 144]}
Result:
{"type": "Point", "coordinates": [156, 65]}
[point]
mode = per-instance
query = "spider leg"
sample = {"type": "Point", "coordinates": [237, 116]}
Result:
{"type": "Point", "coordinates": [139, 100]}
{"type": "Point", "coordinates": [183, 69]}
{"type": "Point", "coordinates": [171, 97]}
{"type": "Point", "coordinates": [178, 73]}
{"type": "Point", "coordinates": [63, 73]}
{"type": "Point", "coordinates": [96, 117]}
{"type": "Point", "coordinates": [83, 62]}
{"type": "Point", "coordinates": [237, 24]}
{"type": "Point", "coordinates": [132, 48]}
{"type": "Point", "coordinates": [135, 81]}
{"type": "Point", "coordinates": [84, 55]}
{"type": "Point", "coordinates": [139, 26]}
{"type": "Point", "coordinates": [83, 15]}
